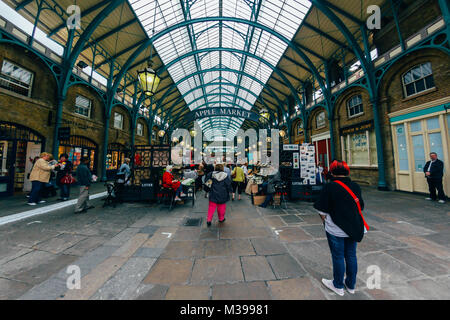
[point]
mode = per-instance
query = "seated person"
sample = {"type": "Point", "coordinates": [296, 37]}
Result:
{"type": "Point", "coordinates": [189, 174]}
{"type": "Point", "coordinates": [169, 182]}
{"type": "Point", "coordinates": [269, 186]}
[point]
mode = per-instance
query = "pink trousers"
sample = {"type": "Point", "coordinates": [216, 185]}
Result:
{"type": "Point", "coordinates": [220, 210]}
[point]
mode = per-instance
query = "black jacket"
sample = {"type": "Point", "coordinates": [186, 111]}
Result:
{"type": "Point", "coordinates": [437, 169]}
{"type": "Point", "coordinates": [60, 173]}
{"type": "Point", "coordinates": [220, 188]}
{"type": "Point", "coordinates": [339, 204]}
{"type": "Point", "coordinates": [84, 175]}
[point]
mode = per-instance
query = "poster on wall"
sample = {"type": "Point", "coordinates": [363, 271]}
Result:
{"type": "Point", "coordinates": [308, 164]}
{"type": "Point", "coordinates": [296, 159]}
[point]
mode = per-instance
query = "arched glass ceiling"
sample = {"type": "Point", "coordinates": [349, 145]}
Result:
{"type": "Point", "coordinates": [283, 16]}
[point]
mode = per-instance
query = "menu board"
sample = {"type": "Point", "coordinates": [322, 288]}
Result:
{"type": "Point", "coordinates": [308, 164]}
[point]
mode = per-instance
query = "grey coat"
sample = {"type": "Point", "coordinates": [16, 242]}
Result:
{"type": "Point", "coordinates": [272, 181]}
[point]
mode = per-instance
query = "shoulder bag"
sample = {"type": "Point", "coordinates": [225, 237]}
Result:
{"type": "Point", "coordinates": [354, 198]}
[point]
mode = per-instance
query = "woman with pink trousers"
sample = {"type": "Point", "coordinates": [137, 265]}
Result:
{"type": "Point", "coordinates": [219, 193]}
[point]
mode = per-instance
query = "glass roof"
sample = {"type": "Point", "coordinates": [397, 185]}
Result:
{"type": "Point", "coordinates": [217, 87]}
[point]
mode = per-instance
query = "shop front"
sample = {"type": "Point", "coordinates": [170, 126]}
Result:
{"type": "Point", "coordinates": [416, 132]}
{"type": "Point", "coordinates": [18, 147]}
{"type": "Point", "coordinates": [77, 147]}
{"type": "Point", "coordinates": [322, 146]}
{"type": "Point", "coordinates": [114, 158]}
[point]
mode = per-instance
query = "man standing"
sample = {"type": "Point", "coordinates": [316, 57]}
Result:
{"type": "Point", "coordinates": [434, 171]}
{"type": "Point", "coordinates": [84, 178]}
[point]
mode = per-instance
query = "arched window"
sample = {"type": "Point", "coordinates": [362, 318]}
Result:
{"type": "Point", "coordinates": [299, 128]}
{"type": "Point", "coordinates": [355, 106]}
{"type": "Point", "coordinates": [320, 120]}
{"type": "Point", "coordinates": [418, 79]}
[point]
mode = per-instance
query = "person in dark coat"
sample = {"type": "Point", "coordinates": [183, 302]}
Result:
{"type": "Point", "coordinates": [219, 193]}
{"type": "Point", "coordinates": [269, 186]}
{"type": "Point", "coordinates": [344, 226]}
{"type": "Point", "coordinates": [64, 169]}
{"type": "Point", "coordinates": [434, 171]}
{"type": "Point", "coordinates": [85, 179]}
{"type": "Point", "coordinates": [209, 168]}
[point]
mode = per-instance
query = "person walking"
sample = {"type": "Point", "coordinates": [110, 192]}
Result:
{"type": "Point", "coordinates": [238, 182]}
{"type": "Point", "coordinates": [84, 177]}
{"type": "Point", "coordinates": [339, 205]}
{"type": "Point", "coordinates": [39, 177]}
{"type": "Point", "coordinates": [434, 171]}
{"type": "Point", "coordinates": [219, 193]}
{"type": "Point", "coordinates": [64, 171]}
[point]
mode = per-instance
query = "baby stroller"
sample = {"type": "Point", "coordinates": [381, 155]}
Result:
{"type": "Point", "coordinates": [114, 190]}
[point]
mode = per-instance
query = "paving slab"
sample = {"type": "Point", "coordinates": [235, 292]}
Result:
{"type": "Point", "coordinates": [241, 291]}
{"type": "Point", "coordinates": [145, 252]}
{"type": "Point", "coordinates": [45, 270]}
{"type": "Point", "coordinates": [150, 230]}
{"type": "Point", "coordinates": [267, 246]}
{"type": "Point", "coordinates": [241, 232]}
{"type": "Point", "coordinates": [166, 271]}
{"type": "Point", "coordinates": [217, 270]}
{"type": "Point", "coordinates": [291, 219]}
{"type": "Point", "coordinates": [295, 289]}
{"type": "Point", "coordinates": [59, 243]}
{"type": "Point", "coordinates": [12, 289]}
{"type": "Point", "coordinates": [125, 281]}
{"type": "Point", "coordinates": [293, 234]}
{"type": "Point", "coordinates": [182, 249]}
{"type": "Point", "coordinates": [95, 279]}
{"type": "Point", "coordinates": [274, 222]}
{"type": "Point", "coordinates": [155, 292]}
{"type": "Point", "coordinates": [256, 268]}
{"type": "Point", "coordinates": [284, 266]}
{"type": "Point", "coordinates": [228, 247]}
{"type": "Point", "coordinates": [393, 271]}
{"type": "Point", "coordinates": [85, 245]}
{"type": "Point", "coordinates": [190, 234]}
{"type": "Point", "coordinates": [316, 231]}
{"type": "Point", "coordinates": [419, 263]}
{"type": "Point", "coordinates": [188, 292]}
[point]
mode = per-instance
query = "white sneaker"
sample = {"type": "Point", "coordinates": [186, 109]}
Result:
{"type": "Point", "coordinates": [352, 291]}
{"type": "Point", "coordinates": [441, 201]}
{"type": "Point", "coordinates": [429, 199]}
{"type": "Point", "coordinates": [42, 201]}
{"type": "Point", "coordinates": [31, 203]}
{"type": "Point", "coordinates": [182, 194]}
{"type": "Point", "coordinates": [329, 284]}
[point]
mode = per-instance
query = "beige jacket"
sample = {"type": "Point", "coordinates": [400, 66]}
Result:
{"type": "Point", "coordinates": [41, 171]}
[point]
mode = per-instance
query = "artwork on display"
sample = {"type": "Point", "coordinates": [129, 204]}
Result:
{"type": "Point", "coordinates": [308, 164]}
{"type": "Point", "coordinates": [296, 160]}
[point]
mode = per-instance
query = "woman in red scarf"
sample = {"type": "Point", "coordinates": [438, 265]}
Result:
{"type": "Point", "coordinates": [169, 182]}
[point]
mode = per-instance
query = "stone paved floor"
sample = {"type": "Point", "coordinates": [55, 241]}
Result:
{"type": "Point", "coordinates": [141, 251]}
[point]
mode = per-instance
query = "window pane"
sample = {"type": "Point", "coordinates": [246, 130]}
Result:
{"type": "Point", "coordinates": [408, 78]}
{"type": "Point", "coordinates": [419, 153]}
{"type": "Point", "coordinates": [429, 81]}
{"type": "Point", "coordinates": [426, 69]}
{"type": "Point", "coordinates": [410, 89]}
{"type": "Point", "coordinates": [401, 147]}
{"type": "Point", "coordinates": [373, 148]}
{"type": "Point", "coordinates": [435, 141]}
{"type": "Point", "coordinates": [416, 126]}
{"type": "Point", "coordinates": [433, 123]}
{"type": "Point", "coordinates": [358, 149]}
{"type": "Point", "coordinates": [417, 73]}
{"type": "Point", "coordinates": [420, 85]}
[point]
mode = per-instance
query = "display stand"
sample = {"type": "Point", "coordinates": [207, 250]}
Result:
{"type": "Point", "coordinates": [147, 164]}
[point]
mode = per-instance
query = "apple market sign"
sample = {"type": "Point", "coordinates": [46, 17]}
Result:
{"type": "Point", "coordinates": [223, 112]}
